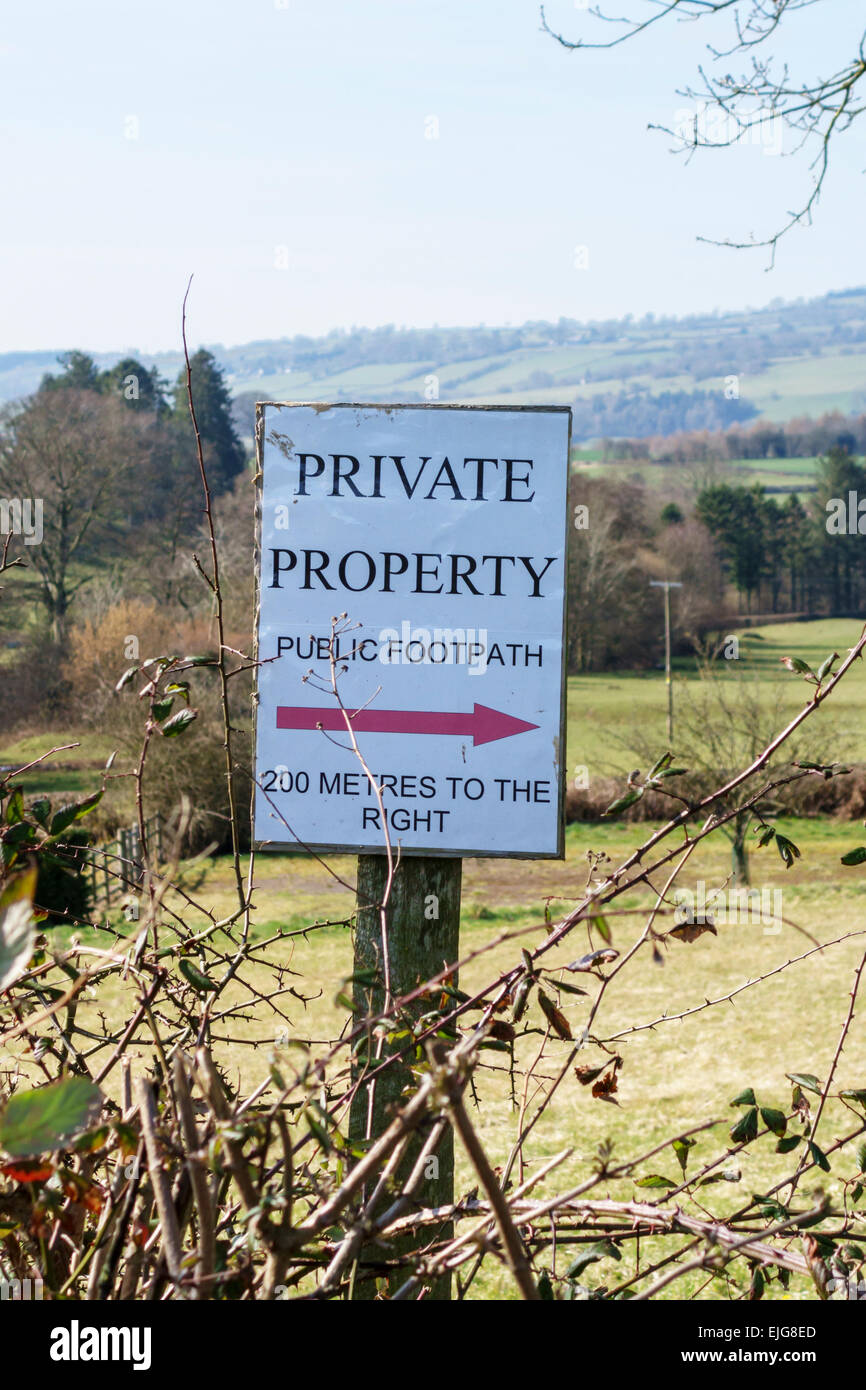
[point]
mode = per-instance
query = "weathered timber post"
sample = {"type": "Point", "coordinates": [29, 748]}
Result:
{"type": "Point", "coordinates": [423, 926]}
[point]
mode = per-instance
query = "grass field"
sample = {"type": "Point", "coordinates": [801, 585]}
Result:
{"type": "Point", "coordinates": [676, 1074]}
{"type": "Point", "coordinates": [789, 386]}
{"type": "Point", "coordinates": [776, 475]}
{"type": "Point", "coordinates": [603, 709]}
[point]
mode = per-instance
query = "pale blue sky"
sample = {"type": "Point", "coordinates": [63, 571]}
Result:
{"type": "Point", "coordinates": [294, 132]}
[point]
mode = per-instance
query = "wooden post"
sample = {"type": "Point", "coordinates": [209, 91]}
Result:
{"type": "Point", "coordinates": [423, 933]}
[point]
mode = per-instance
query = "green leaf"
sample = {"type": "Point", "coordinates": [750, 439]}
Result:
{"type": "Point", "coordinates": [178, 722]}
{"type": "Point", "coordinates": [319, 1133]}
{"type": "Point", "coordinates": [17, 935]}
{"type": "Point", "coordinates": [805, 1080]}
{"type": "Point", "coordinates": [14, 807]}
{"type": "Point", "coordinates": [40, 810]}
{"type": "Point", "coordinates": [197, 978]}
{"type": "Point", "coordinates": [600, 924]}
{"type": "Point", "coordinates": [569, 989]}
{"type": "Point", "coordinates": [787, 849]}
{"type": "Point", "coordinates": [19, 889]}
{"type": "Point", "coordinates": [35, 1122]}
{"type": "Point", "coordinates": [600, 1250]}
{"type": "Point", "coordinates": [128, 675]}
{"type": "Point", "coordinates": [74, 811]}
{"type": "Point", "coordinates": [775, 1120]}
{"type": "Point", "coordinates": [681, 1149]}
{"type": "Point", "coordinates": [858, 1096]}
{"type": "Point", "coordinates": [623, 802]}
{"type": "Point", "coordinates": [746, 1097]}
{"type": "Point", "coordinates": [655, 1180]}
{"type": "Point", "coordinates": [818, 1156]}
{"type": "Point", "coordinates": [801, 668]}
{"type": "Point", "coordinates": [746, 1128]}
{"type": "Point", "coordinates": [773, 1211]}
{"type": "Point", "coordinates": [545, 1288]}
{"type": "Point", "coordinates": [727, 1175]}
{"type": "Point", "coordinates": [161, 709]}
{"type": "Point", "coordinates": [372, 977]}
{"type": "Point", "coordinates": [854, 856]}
{"type": "Point", "coordinates": [785, 1146]}
{"type": "Point", "coordinates": [861, 1158]}
{"type": "Point", "coordinates": [824, 668]}
{"type": "Point", "coordinates": [664, 761]}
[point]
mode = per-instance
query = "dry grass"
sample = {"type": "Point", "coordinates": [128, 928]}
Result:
{"type": "Point", "coordinates": [675, 1076]}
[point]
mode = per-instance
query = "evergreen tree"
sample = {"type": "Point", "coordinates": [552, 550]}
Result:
{"type": "Point", "coordinates": [224, 455]}
{"type": "Point", "coordinates": [795, 545]}
{"type": "Point", "coordinates": [139, 387]}
{"type": "Point", "coordinates": [79, 373]}
{"type": "Point", "coordinates": [843, 562]}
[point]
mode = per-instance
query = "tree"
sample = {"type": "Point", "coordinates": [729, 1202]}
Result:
{"type": "Point", "coordinates": [609, 602]}
{"type": "Point", "coordinates": [734, 107]}
{"type": "Point", "coordinates": [724, 720]}
{"type": "Point", "coordinates": [840, 551]}
{"type": "Point", "coordinates": [79, 374]}
{"type": "Point", "coordinates": [139, 387]}
{"type": "Point", "coordinates": [80, 455]}
{"type": "Point", "coordinates": [795, 543]}
{"type": "Point", "coordinates": [224, 455]}
{"type": "Point", "coordinates": [734, 516]}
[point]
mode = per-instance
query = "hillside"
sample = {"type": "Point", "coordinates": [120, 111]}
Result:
{"type": "Point", "coordinates": [655, 375]}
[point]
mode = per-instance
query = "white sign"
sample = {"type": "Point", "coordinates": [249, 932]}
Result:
{"type": "Point", "coordinates": [439, 531]}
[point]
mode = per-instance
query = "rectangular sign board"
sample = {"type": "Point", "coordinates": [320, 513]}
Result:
{"type": "Point", "coordinates": [440, 533]}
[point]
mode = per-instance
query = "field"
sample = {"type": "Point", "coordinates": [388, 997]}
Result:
{"type": "Point", "coordinates": [681, 1073]}
{"type": "Point", "coordinates": [792, 360]}
{"type": "Point", "coordinates": [779, 476]}
{"type": "Point", "coordinates": [677, 1074]}
{"type": "Point", "coordinates": [808, 385]}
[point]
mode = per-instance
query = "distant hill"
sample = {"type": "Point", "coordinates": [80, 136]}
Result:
{"type": "Point", "coordinates": [624, 376]}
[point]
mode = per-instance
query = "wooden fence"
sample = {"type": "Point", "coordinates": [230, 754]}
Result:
{"type": "Point", "coordinates": [116, 867]}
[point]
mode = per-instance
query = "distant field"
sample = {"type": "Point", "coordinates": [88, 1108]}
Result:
{"type": "Point", "coordinates": [802, 385]}
{"type": "Point", "coordinates": [603, 709]}
{"type": "Point", "coordinates": [776, 475]}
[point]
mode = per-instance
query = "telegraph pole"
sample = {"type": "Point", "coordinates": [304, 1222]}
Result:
{"type": "Point", "coordinates": [667, 585]}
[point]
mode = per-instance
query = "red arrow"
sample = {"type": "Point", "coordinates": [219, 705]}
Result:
{"type": "Point", "coordinates": [484, 725]}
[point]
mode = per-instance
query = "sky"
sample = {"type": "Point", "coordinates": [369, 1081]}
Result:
{"type": "Point", "coordinates": [319, 164]}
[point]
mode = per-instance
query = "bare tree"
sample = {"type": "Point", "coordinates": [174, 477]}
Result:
{"type": "Point", "coordinates": [733, 107]}
{"type": "Point", "coordinates": [78, 454]}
